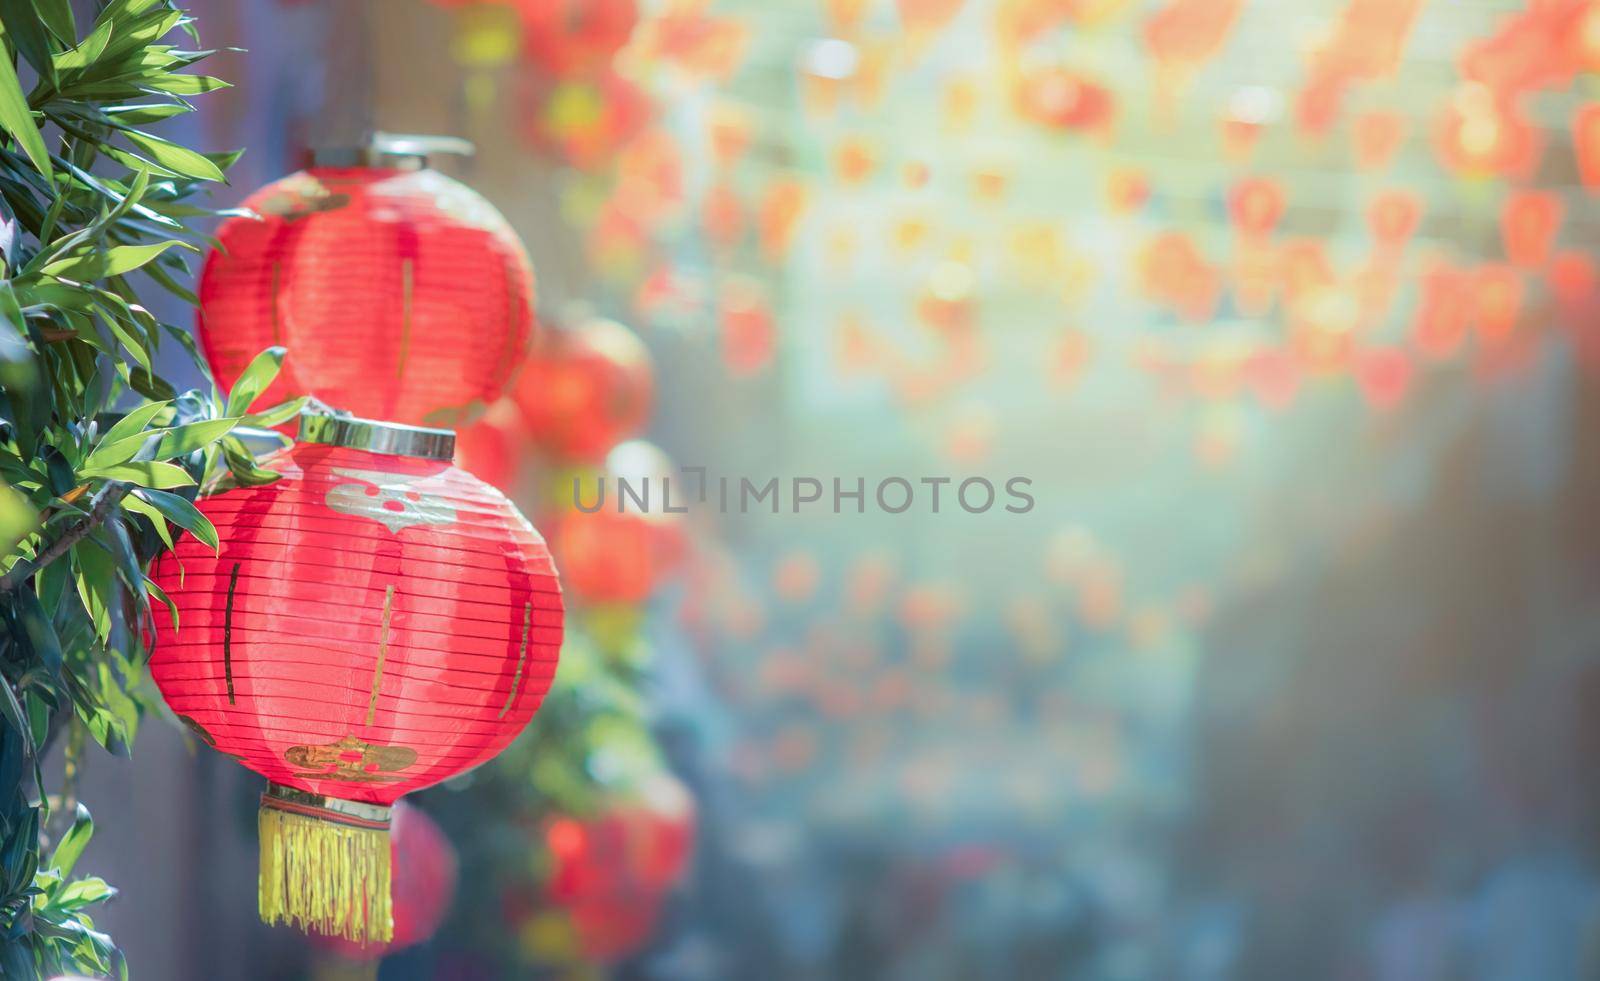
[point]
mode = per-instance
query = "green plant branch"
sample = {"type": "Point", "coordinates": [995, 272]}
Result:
{"type": "Point", "coordinates": [99, 508]}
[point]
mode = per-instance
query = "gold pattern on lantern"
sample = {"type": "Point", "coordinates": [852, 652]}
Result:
{"type": "Point", "coordinates": [350, 759]}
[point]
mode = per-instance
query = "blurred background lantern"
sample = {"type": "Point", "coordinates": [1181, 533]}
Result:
{"type": "Point", "coordinates": [327, 640]}
{"type": "Point", "coordinates": [588, 386]}
{"type": "Point", "coordinates": [401, 293]}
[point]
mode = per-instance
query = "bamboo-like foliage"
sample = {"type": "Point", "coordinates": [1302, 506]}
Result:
{"type": "Point", "coordinates": [100, 458]}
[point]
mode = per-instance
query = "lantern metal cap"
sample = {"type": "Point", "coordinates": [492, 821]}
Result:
{"type": "Point", "coordinates": [336, 809]}
{"type": "Point", "coordinates": [393, 151]}
{"type": "Point", "coordinates": [390, 438]}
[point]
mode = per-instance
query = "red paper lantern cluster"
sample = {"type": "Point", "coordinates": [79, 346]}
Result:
{"type": "Point", "coordinates": [399, 293]}
{"type": "Point", "coordinates": [374, 622]}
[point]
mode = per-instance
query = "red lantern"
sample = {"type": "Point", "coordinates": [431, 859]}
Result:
{"type": "Point", "coordinates": [1529, 224]}
{"type": "Point", "coordinates": [1384, 375]}
{"type": "Point", "coordinates": [400, 293]}
{"type": "Point", "coordinates": [424, 875]}
{"type": "Point", "coordinates": [586, 389]}
{"type": "Point", "coordinates": [575, 37]}
{"type": "Point", "coordinates": [488, 449]}
{"type": "Point", "coordinates": [1586, 141]}
{"type": "Point", "coordinates": [749, 334]}
{"type": "Point", "coordinates": [1393, 217]}
{"type": "Point", "coordinates": [1480, 134]}
{"type": "Point", "coordinates": [611, 872]}
{"type": "Point", "coordinates": [1064, 100]}
{"type": "Point", "coordinates": [374, 622]}
{"type": "Point", "coordinates": [1256, 206]}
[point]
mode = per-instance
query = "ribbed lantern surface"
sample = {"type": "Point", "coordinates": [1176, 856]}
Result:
{"type": "Point", "coordinates": [399, 294]}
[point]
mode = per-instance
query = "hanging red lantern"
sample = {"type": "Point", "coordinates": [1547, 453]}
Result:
{"type": "Point", "coordinates": [1256, 206]}
{"type": "Point", "coordinates": [374, 622]}
{"type": "Point", "coordinates": [1480, 134]}
{"type": "Point", "coordinates": [400, 293]}
{"type": "Point", "coordinates": [749, 332]}
{"type": "Point", "coordinates": [1497, 297]}
{"type": "Point", "coordinates": [584, 121]}
{"type": "Point", "coordinates": [1384, 375]}
{"type": "Point", "coordinates": [1586, 142]}
{"type": "Point", "coordinates": [585, 389]}
{"type": "Point", "coordinates": [1444, 309]}
{"type": "Point", "coordinates": [1529, 223]}
{"type": "Point", "coordinates": [567, 38]}
{"type": "Point", "coordinates": [611, 872]}
{"type": "Point", "coordinates": [1393, 217]}
{"type": "Point", "coordinates": [424, 869]}
{"type": "Point", "coordinates": [1060, 99]}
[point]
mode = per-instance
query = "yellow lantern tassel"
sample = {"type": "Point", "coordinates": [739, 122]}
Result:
{"type": "Point", "coordinates": [324, 868]}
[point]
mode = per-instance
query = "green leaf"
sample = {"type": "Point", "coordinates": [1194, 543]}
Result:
{"type": "Point", "coordinates": [72, 843]}
{"type": "Point", "coordinates": [157, 592]}
{"type": "Point", "coordinates": [161, 476]}
{"type": "Point", "coordinates": [255, 378]}
{"type": "Point", "coordinates": [140, 506]}
{"type": "Point", "coordinates": [182, 513]}
{"type": "Point", "coordinates": [179, 159]}
{"type": "Point", "coordinates": [183, 440]}
{"type": "Point", "coordinates": [134, 421]}
{"type": "Point", "coordinates": [27, 29]}
{"type": "Point", "coordinates": [277, 415]}
{"type": "Point", "coordinates": [84, 892]}
{"type": "Point", "coordinates": [187, 84]}
{"type": "Point", "coordinates": [108, 262]}
{"type": "Point", "coordinates": [111, 452]}
{"type": "Point", "coordinates": [88, 50]}
{"type": "Point", "coordinates": [147, 113]}
{"type": "Point", "coordinates": [17, 518]}
{"type": "Point", "coordinates": [17, 119]}
{"type": "Point", "coordinates": [58, 20]}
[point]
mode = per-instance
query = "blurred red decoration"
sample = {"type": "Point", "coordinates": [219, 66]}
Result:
{"type": "Point", "coordinates": [400, 294]}
{"type": "Point", "coordinates": [1256, 206]}
{"type": "Point", "coordinates": [568, 38]}
{"type": "Point", "coordinates": [1574, 280]}
{"type": "Point", "coordinates": [1060, 99]}
{"type": "Point", "coordinates": [1273, 376]}
{"type": "Point", "coordinates": [352, 605]}
{"type": "Point", "coordinates": [1480, 134]}
{"type": "Point", "coordinates": [1367, 44]}
{"type": "Point", "coordinates": [1384, 375]}
{"type": "Point", "coordinates": [1529, 223]}
{"type": "Point", "coordinates": [778, 215]}
{"type": "Point", "coordinates": [1128, 190]}
{"type": "Point", "coordinates": [611, 872]}
{"type": "Point", "coordinates": [585, 389]}
{"type": "Point", "coordinates": [1188, 33]}
{"type": "Point", "coordinates": [723, 216]}
{"type": "Point", "coordinates": [729, 130]}
{"type": "Point", "coordinates": [1393, 217]}
{"type": "Point", "coordinates": [1586, 141]}
{"type": "Point", "coordinates": [1497, 294]}
{"type": "Point", "coordinates": [1444, 309]}
{"type": "Point", "coordinates": [424, 885]}
{"type": "Point", "coordinates": [611, 558]}
{"type": "Point", "coordinates": [687, 37]}
{"type": "Point", "coordinates": [749, 332]}
{"type": "Point", "coordinates": [585, 121]}
{"type": "Point", "coordinates": [1541, 47]}
{"type": "Point", "coordinates": [1378, 137]}
{"type": "Point", "coordinates": [1173, 271]}
{"type": "Point", "coordinates": [927, 16]}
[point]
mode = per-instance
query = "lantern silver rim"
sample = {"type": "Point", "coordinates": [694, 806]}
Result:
{"type": "Point", "coordinates": [282, 798]}
{"type": "Point", "coordinates": [388, 438]}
